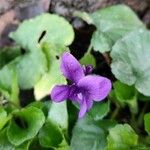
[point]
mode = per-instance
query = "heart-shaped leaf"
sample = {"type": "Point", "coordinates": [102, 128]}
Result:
{"type": "Point", "coordinates": [48, 28]}
{"type": "Point", "coordinates": [30, 68]}
{"type": "Point", "coordinates": [31, 34]}
{"type": "Point", "coordinates": [121, 137]}
{"type": "Point", "coordinates": [128, 63]}
{"type": "Point", "coordinates": [25, 124]}
{"type": "Point", "coordinates": [6, 145]}
{"type": "Point", "coordinates": [90, 135]}
{"type": "Point", "coordinates": [125, 95]}
{"type": "Point", "coordinates": [112, 23]}
{"type": "Point", "coordinates": [58, 114]}
{"type": "Point", "coordinates": [50, 135]}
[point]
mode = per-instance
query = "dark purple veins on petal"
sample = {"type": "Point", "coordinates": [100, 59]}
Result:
{"type": "Point", "coordinates": [60, 93]}
{"type": "Point", "coordinates": [73, 92]}
{"type": "Point", "coordinates": [96, 86]}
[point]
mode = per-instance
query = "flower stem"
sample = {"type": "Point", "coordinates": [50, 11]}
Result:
{"type": "Point", "coordinates": [89, 49]}
{"type": "Point", "coordinates": [140, 119]}
{"type": "Point", "coordinates": [134, 123]}
{"type": "Point", "coordinates": [115, 113]}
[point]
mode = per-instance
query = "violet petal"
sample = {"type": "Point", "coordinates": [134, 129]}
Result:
{"type": "Point", "coordinates": [71, 68]}
{"type": "Point", "coordinates": [60, 93]}
{"type": "Point", "coordinates": [89, 104]}
{"type": "Point", "coordinates": [73, 93]}
{"type": "Point", "coordinates": [96, 87]}
{"type": "Point", "coordinates": [83, 109]}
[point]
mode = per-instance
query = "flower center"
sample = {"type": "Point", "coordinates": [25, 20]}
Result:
{"type": "Point", "coordinates": [80, 96]}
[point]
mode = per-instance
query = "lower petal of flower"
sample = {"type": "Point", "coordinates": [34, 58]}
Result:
{"type": "Point", "coordinates": [83, 109]}
{"type": "Point", "coordinates": [89, 104]}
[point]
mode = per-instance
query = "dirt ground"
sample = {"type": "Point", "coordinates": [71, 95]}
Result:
{"type": "Point", "coordinates": [12, 12]}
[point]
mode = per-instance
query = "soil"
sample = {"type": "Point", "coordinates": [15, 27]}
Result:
{"type": "Point", "coordinates": [67, 7]}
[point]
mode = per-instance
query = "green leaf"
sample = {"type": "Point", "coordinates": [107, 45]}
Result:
{"type": "Point", "coordinates": [48, 80]}
{"type": "Point", "coordinates": [90, 135]}
{"type": "Point", "coordinates": [87, 136]}
{"type": "Point", "coordinates": [53, 76]}
{"type": "Point", "coordinates": [7, 54]}
{"type": "Point", "coordinates": [48, 28]}
{"type": "Point", "coordinates": [99, 110]}
{"type": "Point", "coordinates": [88, 59]}
{"type": "Point", "coordinates": [128, 65]}
{"type": "Point", "coordinates": [25, 124]}
{"type": "Point", "coordinates": [55, 129]}
{"type": "Point", "coordinates": [85, 16]}
{"type": "Point", "coordinates": [101, 42]}
{"type": "Point", "coordinates": [112, 23]}
{"type": "Point", "coordinates": [6, 77]}
{"type": "Point", "coordinates": [143, 97]}
{"type": "Point", "coordinates": [39, 105]}
{"type": "Point", "coordinates": [9, 83]}
{"type": "Point", "coordinates": [31, 35]}
{"type": "Point", "coordinates": [123, 91]}
{"type": "Point", "coordinates": [14, 96]}
{"type": "Point", "coordinates": [50, 135]}
{"type": "Point", "coordinates": [44, 106]}
{"type": "Point", "coordinates": [3, 117]}
{"type": "Point", "coordinates": [125, 94]}
{"type": "Point", "coordinates": [35, 145]}
{"type": "Point", "coordinates": [30, 68]}
{"type": "Point", "coordinates": [24, 146]}
{"type": "Point", "coordinates": [4, 143]}
{"type": "Point", "coordinates": [147, 122]}
{"type": "Point", "coordinates": [58, 114]}
{"type": "Point", "coordinates": [121, 137]}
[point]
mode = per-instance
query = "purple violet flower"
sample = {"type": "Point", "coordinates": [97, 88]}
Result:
{"type": "Point", "coordinates": [84, 89]}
